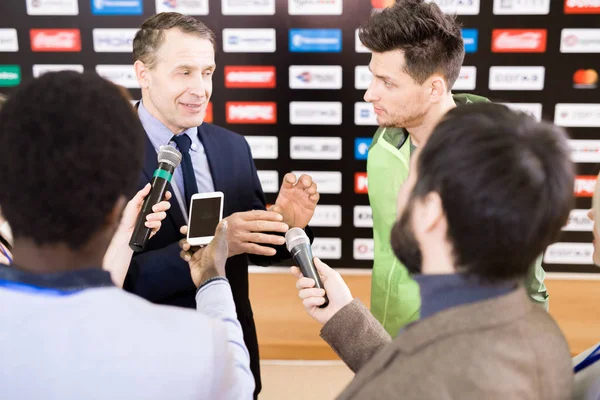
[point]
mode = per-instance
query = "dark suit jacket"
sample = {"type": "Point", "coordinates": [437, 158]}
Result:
{"type": "Point", "coordinates": [506, 347]}
{"type": "Point", "coordinates": [161, 276]}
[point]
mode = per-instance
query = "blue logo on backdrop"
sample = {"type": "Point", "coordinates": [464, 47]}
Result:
{"type": "Point", "coordinates": [361, 147]}
{"type": "Point", "coordinates": [117, 7]}
{"type": "Point", "coordinates": [316, 40]}
{"type": "Point", "coordinates": [470, 39]}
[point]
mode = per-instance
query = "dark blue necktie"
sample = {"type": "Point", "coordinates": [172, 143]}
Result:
{"type": "Point", "coordinates": [184, 142]}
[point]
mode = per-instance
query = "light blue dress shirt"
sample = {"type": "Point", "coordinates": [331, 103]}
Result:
{"type": "Point", "coordinates": [160, 135]}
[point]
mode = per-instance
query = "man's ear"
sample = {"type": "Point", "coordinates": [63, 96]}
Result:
{"type": "Point", "coordinates": [438, 88]}
{"type": "Point", "coordinates": [141, 73]}
{"type": "Point", "coordinates": [429, 211]}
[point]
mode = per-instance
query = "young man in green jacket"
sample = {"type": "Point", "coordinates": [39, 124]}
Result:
{"type": "Point", "coordinates": [417, 53]}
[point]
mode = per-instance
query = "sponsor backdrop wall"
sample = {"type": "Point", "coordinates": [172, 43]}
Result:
{"type": "Point", "coordinates": [291, 76]}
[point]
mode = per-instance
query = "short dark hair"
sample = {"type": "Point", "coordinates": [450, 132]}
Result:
{"type": "Point", "coordinates": [506, 184]}
{"type": "Point", "coordinates": [151, 35]}
{"type": "Point", "coordinates": [431, 40]}
{"type": "Point", "coordinates": [70, 146]}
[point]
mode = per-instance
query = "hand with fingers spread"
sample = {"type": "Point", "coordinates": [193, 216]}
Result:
{"type": "Point", "coordinates": [338, 293]}
{"type": "Point", "coordinates": [297, 200]}
{"type": "Point", "coordinates": [206, 262]}
{"type": "Point", "coordinates": [118, 255]}
{"type": "Point", "coordinates": [246, 232]}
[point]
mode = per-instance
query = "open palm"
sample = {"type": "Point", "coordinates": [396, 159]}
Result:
{"type": "Point", "coordinates": [297, 200]}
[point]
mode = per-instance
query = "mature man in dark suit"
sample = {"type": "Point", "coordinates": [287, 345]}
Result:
{"type": "Point", "coordinates": [174, 62]}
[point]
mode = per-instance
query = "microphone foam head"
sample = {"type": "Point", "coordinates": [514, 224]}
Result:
{"type": "Point", "coordinates": [170, 155]}
{"type": "Point", "coordinates": [294, 237]}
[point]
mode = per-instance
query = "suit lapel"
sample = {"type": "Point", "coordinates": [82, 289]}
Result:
{"type": "Point", "coordinates": [150, 163]}
{"type": "Point", "coordinates": [215, 159]}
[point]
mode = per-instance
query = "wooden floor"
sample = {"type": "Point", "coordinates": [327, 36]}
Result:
{"type": "Point", "coordinates": [303, 380]}
{"type": "Point", "coordinates": [285, 332]}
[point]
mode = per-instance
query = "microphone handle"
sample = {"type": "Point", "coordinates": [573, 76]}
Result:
{"type": "Point", "coordinates": [160, 182]}
{"type": "Point", "coordinates": [303, 257]}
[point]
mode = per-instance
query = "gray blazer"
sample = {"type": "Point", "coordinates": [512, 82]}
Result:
{"type": "Point", "coordinates": [503, 348]}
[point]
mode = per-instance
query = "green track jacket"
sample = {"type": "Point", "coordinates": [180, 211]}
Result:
{"type": "Point", "coordinates": [395, 299]}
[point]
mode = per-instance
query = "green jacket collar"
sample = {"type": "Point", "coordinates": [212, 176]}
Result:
{"type": "Point", "coordinates": [397, 137]}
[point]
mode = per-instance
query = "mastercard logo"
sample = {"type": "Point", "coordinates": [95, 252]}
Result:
{"type": "Point", "coordinates": [585, 77]}
{"type": "Point", "coordinates": [382, 3]}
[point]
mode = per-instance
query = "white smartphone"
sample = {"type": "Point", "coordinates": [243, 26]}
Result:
{"type": "Point", "coordinates": [206, 210]}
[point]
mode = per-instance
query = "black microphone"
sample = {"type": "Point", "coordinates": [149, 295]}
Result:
{"type": "Point", "coordinates": [169, 158]}
{"type": "Point", "coordinates": [298, 245]}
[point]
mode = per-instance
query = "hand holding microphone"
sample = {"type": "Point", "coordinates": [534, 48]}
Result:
{"type": "Point", "coordinates": [169, 158]}
{"type": "Point", "coordinates": [322, 298]}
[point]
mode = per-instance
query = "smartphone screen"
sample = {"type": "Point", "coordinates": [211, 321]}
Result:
{"type": "Point", "coordinates": [205, 216]}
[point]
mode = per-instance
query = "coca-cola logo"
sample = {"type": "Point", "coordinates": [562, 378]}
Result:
{"type": "Point", "coordinates": [582, 7]}
{"type": "Point", "coordinates": [519, 40]}
{"type": "Point", "coordinates": [583, 3]}
{"type": "Point", "coordinates": [63, 40]}
{"type": "Point", "coordinates": [55, 40]}
{"type": "Point", "coordinates": [528, 40]}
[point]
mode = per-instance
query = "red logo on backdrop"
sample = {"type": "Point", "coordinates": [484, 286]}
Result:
{"type": "Point", "coordinates": [361, 185]}
{"type": "Point", "coordinates": [251, 112]}
{"type": "Point", "coordinates": [582, 6]}
{"type": "Point", "coordinates": [208, 118]}
{"type": "Point", "coordinates": [519, 40]}
{"type": "Point", "coordinates": [55, 39]}
{"type": "Point", "coordinates": [585, 79]}
{"type": "Point", "coordinates": [382, 3]}
{"type": "Point", "coordinates": [245, 77]}
{"type": "Point", "coordinates": [585, 185]}
{"type": "Point", "coordinates": [170, 3]}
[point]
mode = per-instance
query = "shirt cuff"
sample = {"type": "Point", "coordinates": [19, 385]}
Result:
{"type": "Point", "coordinates": [215, 299]}
{"type": "Point", "coordinates": [213, 279]}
